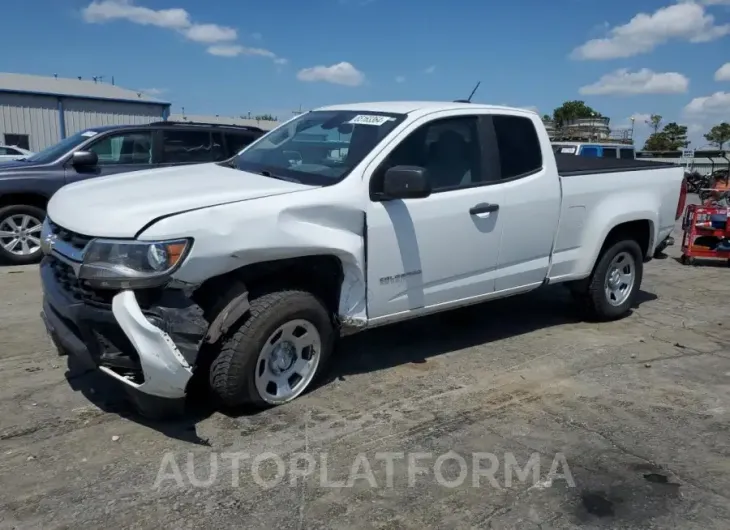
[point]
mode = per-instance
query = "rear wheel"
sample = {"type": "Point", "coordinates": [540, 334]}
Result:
{"type": "Point", "coordinates": [276, 353]}
{"type": "Point", "coordinates": [616, 279]}
{"type": "Point", "coordinates": [20, 234]}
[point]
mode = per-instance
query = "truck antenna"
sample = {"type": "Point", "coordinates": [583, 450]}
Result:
{"type": "Point", "coordinates": [468, 100]}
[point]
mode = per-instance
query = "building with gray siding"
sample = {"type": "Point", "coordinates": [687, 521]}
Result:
{"type": "Point", "coordinates": [37, 112]}
{"type": "Point", "coordinates": [266, 125]}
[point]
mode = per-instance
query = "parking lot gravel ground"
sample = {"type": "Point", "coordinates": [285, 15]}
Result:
{"type": "Point", "coordinates": [639, 409]}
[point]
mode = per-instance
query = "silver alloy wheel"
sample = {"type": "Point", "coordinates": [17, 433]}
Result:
{"type": "Point", "coordinates": [620, 278]}
{"type": "Point", "coordinates": [288, 361]}
{"type": "Point", "coordinates": [21, 234]}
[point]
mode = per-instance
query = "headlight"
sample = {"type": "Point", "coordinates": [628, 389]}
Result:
{"type": "Point", "coordinates": [131, 264]}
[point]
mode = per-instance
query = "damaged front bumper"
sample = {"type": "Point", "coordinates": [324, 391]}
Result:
{"type": "Point", "coordinates": [150, 343]}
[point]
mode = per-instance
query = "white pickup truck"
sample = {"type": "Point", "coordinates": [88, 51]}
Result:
{"type": "Point", "coordinates": [341, 219]}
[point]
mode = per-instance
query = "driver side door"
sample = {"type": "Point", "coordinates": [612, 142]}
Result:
{"type": "Point", "coordinates": [429, 253]}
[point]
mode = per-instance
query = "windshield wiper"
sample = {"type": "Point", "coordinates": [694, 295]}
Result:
{"type": "Point", "coordinates": [267, 173]}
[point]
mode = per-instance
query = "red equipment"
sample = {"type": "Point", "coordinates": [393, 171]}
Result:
{"type": "Point", "coordinates": [706, 233]}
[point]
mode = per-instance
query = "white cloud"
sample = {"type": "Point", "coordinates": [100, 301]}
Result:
{"type": "Point", "coordinates": [686, 21]}
{"type": "Point", "coordinates": [723, 73]}
{"type": "Point", "coordinates": [400, 79]}
{"type": "Point", "coordinates": [153, 91]}
{"type": "Point", "coordinates": [108, 10]}
{"type": "Point", "coordinates": [220, 39]}
{"type": "Point", "coordinates": [622, 82]}
{"type": "Point", "coordinates": [717, 105]}
{"type": "Point", "coordinates": [210, 33]}
{"type": "Point", "coordinates": [234, 50]}
{"type": "Point", "coordinates": [431, 69]}
{"type": "Point", "coordinates": [339, 74]}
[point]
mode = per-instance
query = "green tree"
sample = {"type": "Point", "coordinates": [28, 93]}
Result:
{"type": "Point", "coordinates": [546, 117]}
{"type": "Point", "coordinates": [657, 142]}
{"type": "Point", "coordinates": [655, 122]}
{"type": "Point", "coordinates": [573, 110]}
{"type": "Point", "coordinates": [265, 117]}
{"type": "Point", "coordinates": [719, 135]}
{"type": "Point", "coordinates": [672, 137]}
{"type": "Point", "coordinates": [676, 135]}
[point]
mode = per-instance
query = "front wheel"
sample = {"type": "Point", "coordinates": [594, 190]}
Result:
{"type": "Point", "coordinates": [276, 353]}
{"type": "Point", "coordinates": [20, 234]}
{"type": "Point", "coordinates": [615, 281]}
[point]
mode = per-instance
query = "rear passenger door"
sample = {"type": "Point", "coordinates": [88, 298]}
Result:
{"type": "Point", "coordinates": [530, 207]}
{"type": "Point", "coordinates": [235, 141]}
{"type": "Point", "coordinates": [191, 146]}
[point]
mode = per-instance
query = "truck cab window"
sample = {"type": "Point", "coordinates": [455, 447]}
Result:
{"type": "Point", "coordinates": [627, 154]}
{"type": "Point", "coordinates": [447, 148]}
{"type": "Point", "coordinates": [520, 153]}
{"type": "Point", "coordinates": [609, 152]}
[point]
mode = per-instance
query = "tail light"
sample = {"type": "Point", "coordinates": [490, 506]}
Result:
{"type": "Point", "coordinates": [682, 199]}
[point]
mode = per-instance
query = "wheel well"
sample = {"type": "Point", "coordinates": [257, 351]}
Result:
{"type": "Point", "coordinates": [639, 231]}
{"type": "Point", "coordinates": [30, 199]}
{"type": "Point", "coordinates": [320, 275]}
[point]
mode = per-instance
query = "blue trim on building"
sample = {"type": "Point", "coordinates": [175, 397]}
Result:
{"type": "Point", "coordinates": [61, 119]}
{"type": "Point", "coordinates": [80, 96]}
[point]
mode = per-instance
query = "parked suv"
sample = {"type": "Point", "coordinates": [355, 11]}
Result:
{"type": "Point", "coordinates": [27, 184]}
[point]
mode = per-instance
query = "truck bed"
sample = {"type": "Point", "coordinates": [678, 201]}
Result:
{"type": "Point", "coordinates": [571, 165]}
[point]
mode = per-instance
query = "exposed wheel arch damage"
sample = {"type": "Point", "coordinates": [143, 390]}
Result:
{"type": "Point", "coordinates": [321, 249]}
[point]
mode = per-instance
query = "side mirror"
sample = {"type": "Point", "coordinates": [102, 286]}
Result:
{"type": "Point", "coordinates": [406, 182]}
{"type": "Point", "coordinates": [84, 159]}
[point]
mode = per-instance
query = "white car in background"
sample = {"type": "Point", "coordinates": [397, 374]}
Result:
{"type": "Point", "coordinates": [13, 152]}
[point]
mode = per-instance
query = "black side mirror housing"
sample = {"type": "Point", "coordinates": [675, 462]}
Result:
{"type": "Point", "coordinates": [406, 182]}
{"type": "Point", "coordinates": [84, 159]}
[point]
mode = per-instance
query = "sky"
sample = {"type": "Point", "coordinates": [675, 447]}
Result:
{"type": "Point", "coordinates": [233, 57]}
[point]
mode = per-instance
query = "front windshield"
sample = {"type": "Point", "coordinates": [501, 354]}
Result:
{"type": "Point", "coordinates": [318, 148]}
{"type": "Point", "coordinates": [54, 152]}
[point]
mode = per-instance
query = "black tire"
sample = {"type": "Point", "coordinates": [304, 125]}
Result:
{"type": "Point", "coordinates": [7, 257]}
{"type": "Point", "coordinates": [594, 298]}
{"type": "Point", "coordinates": [232, 372]}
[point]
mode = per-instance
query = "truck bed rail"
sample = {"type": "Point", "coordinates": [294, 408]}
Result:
{"type": "Point", "coordinates": [571, 165]}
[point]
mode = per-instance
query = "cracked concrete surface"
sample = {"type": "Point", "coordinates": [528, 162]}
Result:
{"type": "Point", "coordinates": [639, 408]}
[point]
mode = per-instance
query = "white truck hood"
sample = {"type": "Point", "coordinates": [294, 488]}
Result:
{"type": "Point", "coordinates": [121, 205]}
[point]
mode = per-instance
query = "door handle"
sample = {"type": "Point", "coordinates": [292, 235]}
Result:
{"type": "Point", "coordinates": [483, 208]}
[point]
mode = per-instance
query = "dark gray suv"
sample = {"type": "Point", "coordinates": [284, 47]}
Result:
{"type": "Point", "coordinates": [26, 185]}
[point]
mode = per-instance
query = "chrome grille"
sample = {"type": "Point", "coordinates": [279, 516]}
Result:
{"type": "Point", "coordinates": [78, 289]}
{"type": "Point", "coordinates": [77, 241]}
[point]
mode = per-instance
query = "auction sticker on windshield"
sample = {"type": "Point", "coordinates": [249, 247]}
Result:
{"type": "Point", "coordinates": [89, 134]}
{"type": "Point", "coordinates": [370, 119]}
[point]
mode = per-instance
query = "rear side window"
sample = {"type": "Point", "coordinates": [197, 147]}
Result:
{"type": "Point", "coordinates": [237, 141]}
{"type": "Point", "coordinates": [519, 147]}
{"type": "Point", "coordinates": [589, 151]}
{"type": "Point", "coordinates": [190, 147]}
{"type": "Point", "coordinates": [609, 152]}
{"type": "Point", "coordinates": [627, 154]}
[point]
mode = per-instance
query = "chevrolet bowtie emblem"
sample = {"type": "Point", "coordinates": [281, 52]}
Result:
{"type": "Point", "coordinates": [48, 242]}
